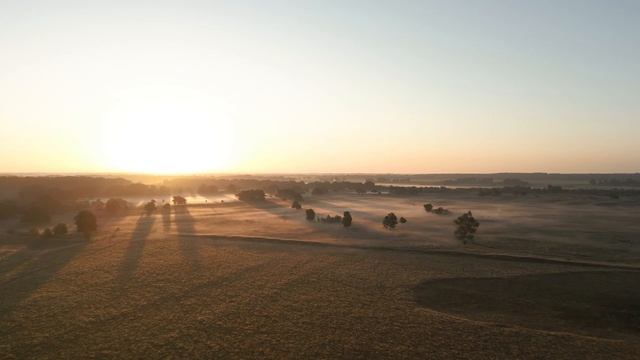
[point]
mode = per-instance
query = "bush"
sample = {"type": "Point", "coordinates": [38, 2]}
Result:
{"type": "Point", "coordinates": [390, 221]}
{"type": "Point", "coordinates": [150, 207]}
{"type": "Point", "coordinates": [116, 206]}
{"type": "Point", "coordinates": [166, 207]}
{"type": "Point", "coordinates": [332, 219]}
{"type": "Point", "coordinates": [296, 205]}
{"type": "Point", "coordinates": [441, 211]}
{"type": "Point", "coordinates": [428, 207]}
{"type": "Point", "coordinates": [251, 195]}
{"type": "Point", "coordinates": [179, 200]}
{"type": "Point", "coordinates": [467, 226]}
{"type": "Point", "coordinates": [346, 219]}
{"type": "Point", "coordinates": [310, 214]}
{"type": "Point", "coordinates": [403, 220]}
{"type": "Point", "coordinates": [35, 215]}
{"type": "Point", "coordinates": [47, 233]}
{"type": "Point", "coordinates": [60, 229]}
{"type": "Point", "coordinates": [86, 222]}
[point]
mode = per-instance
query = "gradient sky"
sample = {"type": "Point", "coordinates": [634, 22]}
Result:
{"type": "Point", "coordinates": [320, 86]}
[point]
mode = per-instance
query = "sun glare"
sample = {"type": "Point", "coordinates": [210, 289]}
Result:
{"type": "Point", "coordinates": [167, 133]}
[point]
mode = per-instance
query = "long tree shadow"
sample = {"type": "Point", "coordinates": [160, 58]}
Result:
{"type": "Point", "coordinates": [185, 225]}
{"type": "Point", "coordinates": [42, 268]}
{"type": "Point", "coordinates": [166, 219]}
{"type": "Point", "coordinates": [134, 250]}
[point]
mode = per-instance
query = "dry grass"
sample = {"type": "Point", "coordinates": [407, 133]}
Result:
{"type": "Point", "coordinates": [151, 289]}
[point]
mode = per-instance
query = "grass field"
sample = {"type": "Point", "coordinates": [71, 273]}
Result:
{"type": "Point", "coordinates": [547, 278]}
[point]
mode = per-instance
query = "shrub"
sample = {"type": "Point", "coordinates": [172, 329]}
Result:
{"type": "Point", "coordinates": [403, 220]}
{"type": "Point", "coordinates": [296, 205]}
{"type": "Point", "coordinates": [166, 207]}
{"type": "Point", "coordinates": [346, 219]}
{"type": "Point", "coordinates": [467, 226]}
{"type": "Point", "coordinates": [332, 219]}
{"type": "Point", "coordinates": [428, 207]}
{"type": "Point", "coordinates": [251, 195]}
{"type": "Point", "coordinates": [390, 221]}
{"type": "Point", "coordinates": [60, 229]}
{"type": "Point", "coordinates": [310, 214]}
{"type": "Point", "coordinates": [35, 215]}
{"type": "Point", "coordinates": [86, 222]}
{"type": "Point", "coordinates": [150, 207]}
{"type": "Point", "coordinates": [47, 233]}
{"type": "Point", "coordinates": [116, 206]}
{"type": "Point", "coordinates": [441, 211]}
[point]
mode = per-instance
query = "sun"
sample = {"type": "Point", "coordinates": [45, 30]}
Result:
{"type": "Point", "coordinates": [167, 133]}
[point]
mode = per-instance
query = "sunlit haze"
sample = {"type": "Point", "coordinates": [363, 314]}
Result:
{"type": "Point", "coordinates": [319, 86]}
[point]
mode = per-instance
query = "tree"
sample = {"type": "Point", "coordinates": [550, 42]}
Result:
{"type": "Point", "coordinates": [86, 222]}
{"type": "Point", "coordinates": [60, 229]}
{"type": "Point", "coordinates": [403, 220]}
{"type": "Point", "coordinates": [251, 195]}
{"type": "Point", "coordinates": [166, 207]}
{"type": "Point", "coordinates": [296, 205]}
{"type": "Point", "coordinates": [310, 214]}
{"type": "Point", "coordinates": [116, 206]}
{"type": "Point", "coordinates": [390, 221]}
{"type": "Point", "coordinates": [150, 207]}
{"type": "Point", "coordinates": [346, 219]}
{"type": "Point", "coordinates": [428, 207]}
{"type": "Point", "coordinates": [179, 200]}
{"type": "Point", "coordinates": [467, 226]}
{"type": "Point", "coordinates": [441, 211]}
{"type": "Point", "coordinates": [47, 233]}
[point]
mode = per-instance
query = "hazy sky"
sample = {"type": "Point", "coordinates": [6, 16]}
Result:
{"type": "Point", "coordinates": [320, 86]}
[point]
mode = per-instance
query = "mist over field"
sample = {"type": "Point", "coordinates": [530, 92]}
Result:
{"type": "Point", "coordinates": [413, 179]}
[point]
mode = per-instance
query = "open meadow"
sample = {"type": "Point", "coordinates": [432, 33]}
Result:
{"type": "Point", "coordinates": [546, 277]}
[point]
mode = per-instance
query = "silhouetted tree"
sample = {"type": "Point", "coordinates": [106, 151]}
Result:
{"type": "Point", "coordinates": [441, 211]}
{"type": "Point", "coordinates": [428, 207]}
{"type": "Point", "coordinates": [60, 229]}
{"type": "Point", "coordinates": [116, 206]}
{"type": "Point", "coordinates": [179, 200]}
{"type": "Point", "coordinates": [332, 219]}
{"type": "Point", "coordinates": [402, 220]}
{"type": "Point", "coordinates": [289, 194]}
{"type": "Point", "coordinates": [251, 195]}
{"type": "Point", "coordinates": [86, 222]}
{"type": "Point", "coordinates": [166, 207]}
{"type": "Point", "coordinates": [390, 221]}
{"type": "Point", "coordinates": [296, 205]}
{"type": "Point", "coordinates": [467, 226]}
{"type": "Point", "coordinates": [47, 233]}
{"type": "Point", "coordinates": [346, 219]}
{"type": "Point", "coordinates": [150, 207]}
{"type": "Point", "coordinates": [310, 214]}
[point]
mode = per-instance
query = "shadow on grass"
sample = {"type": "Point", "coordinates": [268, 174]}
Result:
{"type": "Point", "coordinates": [185, 225]}
{"type": "Point", "coordinates": [595, 303]}
{"type": "Point", "coordinates": [39, 270]}
{"type": "Point", "coordinates": [134, 250]}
